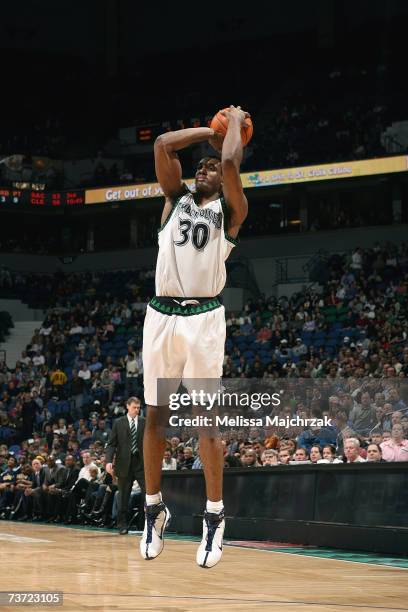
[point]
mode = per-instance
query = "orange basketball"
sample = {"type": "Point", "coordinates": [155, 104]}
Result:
{"type": "Point", "coordinates": [219, 124]}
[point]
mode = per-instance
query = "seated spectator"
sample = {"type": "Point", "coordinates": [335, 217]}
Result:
{"type": "Point", "coordinates": [300, 456]}
{"type": "Point", "coordinates": [270, 457]}
{"type": "Point", "coordinates": [84, 373]}
{"type": "Point", "coordinates": [395, 449]}
{"type": "Point", "coordinates": [315, 454]}
{"type": "Point", "coordinates": [329, 455]}
{"type": "Point", "coordinates": [363, 416]}
{"type": "Point", "coordinates": [54, 477]}
{"type": "Point", "coordinates": [374, 454]}
{"type": "Point", "coordinates": [284, 457]}
{"type": "Point", "coordinates": [250, 459]}
{"type": "Point", "coordinates": [63, 490]}
{"type": "Point", "coordinates": [34, 504]}
{"type": "Point", "coordinates": [352, 451]}
{"type": "Point", "coordinates": [169, 462]}
{"type": "Point", "coordinates": [187, 460]}
{"type": "Point", "coordinates": [8, 479]}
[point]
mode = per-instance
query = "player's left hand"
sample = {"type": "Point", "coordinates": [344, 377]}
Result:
{"type": "Point", "coordinates": [236, 112]}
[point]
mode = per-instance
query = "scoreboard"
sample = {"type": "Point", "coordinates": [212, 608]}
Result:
{"type": "Point", "coordinates": [10, 197]}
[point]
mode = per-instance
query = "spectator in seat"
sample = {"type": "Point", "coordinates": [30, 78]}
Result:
{"type": "Point", "coordinates": [188, 459]}
{"type": "Point", "coordinates": [284, 457]}
{"type": "Point", "coordinates": [270, 457]}
{"type": "Point", "coordinates": [352, 451]}
{"type": "Point", "coordinates": [58, 378]}
{"type": "Point", "coordinates": [301, 455]}
{"type": "Point", "coordinates": [395, 449]}
{"type": "Point", "coordinates": [23, 482]}
{"type": "Point", "coordinates": [316, 436]}
{"type": "Point", "coordinates": [363, 416]}
{"type": "Point", "coordinates": [374, 454]}
{"type": "Point", "coordinates": [376, 437]}
{"type": "Point", "coordinates": [85, 373]}
{"type": "Point", "coordinates": [35, 502]}
{"type": "Point", "coordinates": [8, 480]}
{"type": "Point", "coordinates": [315, 454]}
{"type": "Point", "coordinates": [80, 487]}
{"type": "Point", "coordinates": [102, 432]}
{"type": "Point", "coordinates": [169, 462]}
{"type": "Point", "coordinates": [95, 365]}
{"type": "Point", "coordinates": [54, 477]}
{"type": "Point", "coordinates": [62, 492]}
{"type": "Point", "coordinates": [329, 455]}
{"type": "Point", "coordinates": [86, 440]}
{"type": "Point", "coordinates": [249, 458]}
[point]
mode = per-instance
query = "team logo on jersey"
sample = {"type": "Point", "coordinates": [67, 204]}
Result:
{"type": "Point", "coordinates": [202, 213]}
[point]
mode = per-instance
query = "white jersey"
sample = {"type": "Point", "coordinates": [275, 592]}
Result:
{"type": "Point", "coordinates": [193, 248]}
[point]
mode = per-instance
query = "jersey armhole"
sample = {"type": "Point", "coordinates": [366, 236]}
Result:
{"type": "Point", "coordinates": [174, 204]}
{"type": "Point", "coordinates": [225, 211]}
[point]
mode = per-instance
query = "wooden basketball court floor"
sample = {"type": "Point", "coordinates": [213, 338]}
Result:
{"type": "Point", "coordinates": [102, 571]}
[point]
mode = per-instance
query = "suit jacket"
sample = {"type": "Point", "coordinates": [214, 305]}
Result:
{"type": "Point", "coordinates": [56, 476]}
{"type": "Point", "coordinates": [71, 476]}
{"type": "Point", "coordinates": [33, 479]}
{"type": "Point", "coordinates": [119, 445]}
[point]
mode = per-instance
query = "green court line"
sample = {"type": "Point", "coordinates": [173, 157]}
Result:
{"type": "Point", "coordinates": [336, 555]}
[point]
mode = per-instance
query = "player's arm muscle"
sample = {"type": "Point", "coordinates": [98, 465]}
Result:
{"type": "Point", "coordinates": [167, 163]}
{"type": "Point", "coordinates": [231, 181]}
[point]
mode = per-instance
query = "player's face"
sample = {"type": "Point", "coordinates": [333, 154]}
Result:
{"type": "Point", "coordinates": [208, 176]}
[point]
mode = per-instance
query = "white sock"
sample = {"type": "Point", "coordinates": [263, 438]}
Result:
{"type": "Point", "coordinates": [214, 507]}
{"type": "Point", "coordinates": [152, 500]}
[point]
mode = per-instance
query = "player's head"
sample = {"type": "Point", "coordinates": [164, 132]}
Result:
{"type": "Point", "coordinates": [208, 177]}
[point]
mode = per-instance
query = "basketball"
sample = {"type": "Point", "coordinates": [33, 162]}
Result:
{"type": "Point", "coordinates": [219, 124]}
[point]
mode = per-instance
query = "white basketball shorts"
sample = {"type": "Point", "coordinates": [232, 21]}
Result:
{"type": "Point", "coordinates": [182, 341]}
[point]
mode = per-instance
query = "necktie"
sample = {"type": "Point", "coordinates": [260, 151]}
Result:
{"type": "Point", "coordinates": [133, 433]}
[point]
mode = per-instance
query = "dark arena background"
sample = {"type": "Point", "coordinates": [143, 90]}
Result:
{"type": "Point", "coordinates": [316, 300]}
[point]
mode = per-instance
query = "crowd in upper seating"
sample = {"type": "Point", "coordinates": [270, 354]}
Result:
{"type": "Point", "coordinates": [340, 353]}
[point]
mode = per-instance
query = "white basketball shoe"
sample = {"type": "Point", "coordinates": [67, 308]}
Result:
{"type": "Point", "coordinates": [210, 550]}
{"type": "Point", "coordinates": [156, 521]}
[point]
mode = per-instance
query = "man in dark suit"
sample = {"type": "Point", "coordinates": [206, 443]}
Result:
{"type": "Point", "coordinates": [125, 445]}
{"type": "Point", "coordinates": [62, 493]}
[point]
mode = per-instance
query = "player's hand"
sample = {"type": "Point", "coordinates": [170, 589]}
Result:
{"type": "Point", "coordinates": [216, 141]}
{"type": "Point", "coordinates": [109, 468]}
{"type": "Point", "coordinates": [236, 112]}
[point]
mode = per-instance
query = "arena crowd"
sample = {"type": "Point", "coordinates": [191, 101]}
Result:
{"type": "Point", "coordinates": [339, 354]}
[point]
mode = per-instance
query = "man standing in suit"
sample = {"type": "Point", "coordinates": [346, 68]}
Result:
{"type": "Point", "coordinates": [125, 444]}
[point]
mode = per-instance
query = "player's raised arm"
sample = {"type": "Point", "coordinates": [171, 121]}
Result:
{"type": "Point", "coordinates": [231, 160]}
{"type": "Point", "coordinates": [167, 163]}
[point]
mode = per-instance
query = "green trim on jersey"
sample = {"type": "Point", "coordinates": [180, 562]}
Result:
{"type": "Point", "coordinates": [162, 305]}
{"type": "Point", "coordinates": [226, 216]}
{"type": "Point", "coordinates": [173, 208]}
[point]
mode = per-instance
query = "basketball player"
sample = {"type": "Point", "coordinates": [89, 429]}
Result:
{"type": "Point", "coordinates": [184, 329]}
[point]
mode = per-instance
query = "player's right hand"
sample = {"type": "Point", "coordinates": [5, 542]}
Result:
{"type": "Point", "coordinates": [109, 468]}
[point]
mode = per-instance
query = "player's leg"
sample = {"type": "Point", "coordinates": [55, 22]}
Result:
{"type": "Point", "coordinates": [160, 363]}
{"type": "Point", "coordinates": [154, 444]}
{"type": "Point", "coordinates": [206, 336]}
{"type": "Point", "coordinates": [157, 515]}
{"type": "Point", "coordinates": [212, 456]}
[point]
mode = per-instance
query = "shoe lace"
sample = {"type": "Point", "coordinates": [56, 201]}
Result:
{"type": "Point", "coordinates": [213, 522]}
{"type": "Point", "coordinates": [151, 516]}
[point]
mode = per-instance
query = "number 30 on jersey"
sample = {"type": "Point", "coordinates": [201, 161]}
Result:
{"type": "Point", "coordinates": [198, 233]}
